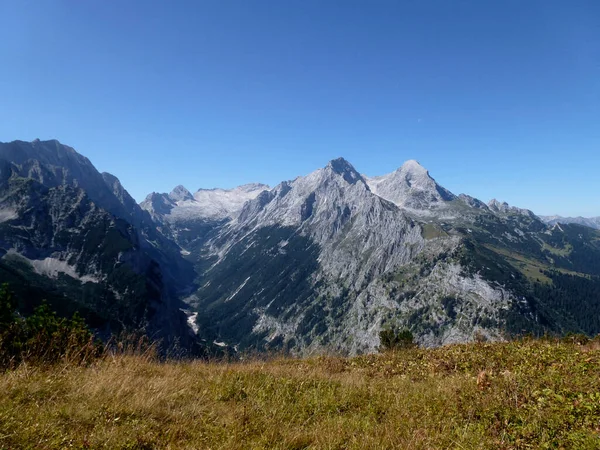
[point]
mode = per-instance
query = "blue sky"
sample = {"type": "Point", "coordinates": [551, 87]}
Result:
{"type": "Point", "coordinates": [497, 99]}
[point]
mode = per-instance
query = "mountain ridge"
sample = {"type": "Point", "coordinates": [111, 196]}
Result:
{"type": "Point", "coordinates": [592, 222]}
{"type": "Point", "coordinates": [319, 263]}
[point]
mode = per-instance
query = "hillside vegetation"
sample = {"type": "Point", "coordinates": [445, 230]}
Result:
{"type": "Point", "coordinates": [516, 395]}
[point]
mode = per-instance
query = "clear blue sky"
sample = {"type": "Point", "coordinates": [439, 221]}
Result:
{"type": "Point", "coordinates": [496, 98]}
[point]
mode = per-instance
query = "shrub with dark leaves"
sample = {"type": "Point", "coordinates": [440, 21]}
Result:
{"type": "Point", "coordinates": [43, 337]}
{"type": "Point", "coordinates": [393, 339]}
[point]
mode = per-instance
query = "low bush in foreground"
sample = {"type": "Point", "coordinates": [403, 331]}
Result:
{"type": "Point", "coordinates": [43, 337]}
{"type": "Point", "coordinates": [527, 394]}
{"type": "Point", "coordinates": [394, 339]}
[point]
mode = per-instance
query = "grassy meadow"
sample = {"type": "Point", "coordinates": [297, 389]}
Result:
{"type": "Point", "coordinates": [527, 394]}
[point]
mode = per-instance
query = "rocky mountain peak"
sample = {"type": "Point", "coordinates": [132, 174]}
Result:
{"type": "Point", "coordinates": [340, 166]}
{"type": "Point", "coordinates": [497, 205]}
{"type": "Point", "coordinates": [413, 166]}
{"type": "Point", "coordinates": [158, 205]}
{"type": "Point", "coordinates": [54, 164]}
{"type": "Point", "coordinates": [333, 192]}
{"type": "Point", "coordinates": [410, 186]}
{"type": "Point", "coordinates": [46, 152]}
{"type": "Point", "coordinates": [180, 193]}
{"type": "Point", "coordinates": [504, 208]}
{"type": "Point", "coordinates": [413, 173]}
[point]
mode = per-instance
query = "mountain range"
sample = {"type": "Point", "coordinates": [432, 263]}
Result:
{"type": "Point", "coordinates": [321, 263]}
{"type": "Point", "coordinates": [592, 222]}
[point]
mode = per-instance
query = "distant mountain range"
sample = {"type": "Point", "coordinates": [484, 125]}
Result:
{"type": "Point", "coordinates": [592, 222]}
{"type": "Point", "coordinates": [320, 263]}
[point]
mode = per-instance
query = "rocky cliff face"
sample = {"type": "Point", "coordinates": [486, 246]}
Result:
{"type": "Point", "coordinates": [336, 209]}
{"type": "Point", "coordinates": [331, 238]}
{"type": "Point", "coordinates": [76, 237]}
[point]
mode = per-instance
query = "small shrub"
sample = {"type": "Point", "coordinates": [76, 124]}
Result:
{"type": "Point", "coordinates": [8, 306]}
{"type": "Point", "coordinates": [576, 338]}
{"type": "Point", "coordinates": [479, 337]}
{"type": "Point", "coordinates": [449, 303]}
{"type": "Point", "coordinates": [43, 337]}
{"type": "Point", "coordinates": [393, 339]}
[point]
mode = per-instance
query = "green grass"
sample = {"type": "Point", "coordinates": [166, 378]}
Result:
{"type": "Point", "coordinates": [431, 231]}
{"type": "Point", "coordinates": [558, 251]}
{"type": "Point", "coordinates": [531, 268]}
{"type": "Point", "coordinates": [517, 395]}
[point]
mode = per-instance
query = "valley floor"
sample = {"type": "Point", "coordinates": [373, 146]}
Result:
{"type": "Point", "coordinates": [524, 394]}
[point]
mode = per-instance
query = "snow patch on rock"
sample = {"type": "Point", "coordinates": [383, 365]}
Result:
{"type": "Point", "coordinates": [7, 214]}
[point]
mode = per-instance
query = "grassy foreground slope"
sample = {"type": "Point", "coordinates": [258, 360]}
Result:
{"type": "Point", "coordinates": [522, 394]}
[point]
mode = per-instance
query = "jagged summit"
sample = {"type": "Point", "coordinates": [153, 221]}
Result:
{"type": "Point", "coordinates": [415, 174]}
{"type": "Point", "coordinates": [496, 204]}
{"type": "Point", "coordinates": [505, 208]}
{"type": "Point", "coordinates": [412, 165]}
{"type": "Point", "coordinates": [410, 186]}
{"type": "Point", "coordinates": [323, 192]}
{"type": "Point", "coordinates": [158, 205]}
{"type": "Point", "coordinates": [342, 167]}
{"type": "Point", "coordinates": [180, 193]}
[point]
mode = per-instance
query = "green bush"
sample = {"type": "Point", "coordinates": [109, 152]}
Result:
{"type": "Point", "coordinates": [8, 306]}
{"type": "Point", "coordinates": [43, 337]}
{"type": "Point", "coordinates": [393, 339]}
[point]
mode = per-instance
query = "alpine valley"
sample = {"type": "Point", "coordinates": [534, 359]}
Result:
{"type": "Point", "coordinates": [318, 264]}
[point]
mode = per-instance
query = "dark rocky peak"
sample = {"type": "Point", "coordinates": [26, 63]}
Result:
{"type": "Point", "coordinates": [157, 205]}
{"type": "Point", "coordinates": [54, 164]}
{"type": "Point", "coordinates": [46, 152]}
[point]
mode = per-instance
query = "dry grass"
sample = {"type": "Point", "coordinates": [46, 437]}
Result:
{"type": "Point", "coordinates": [528, 394]}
